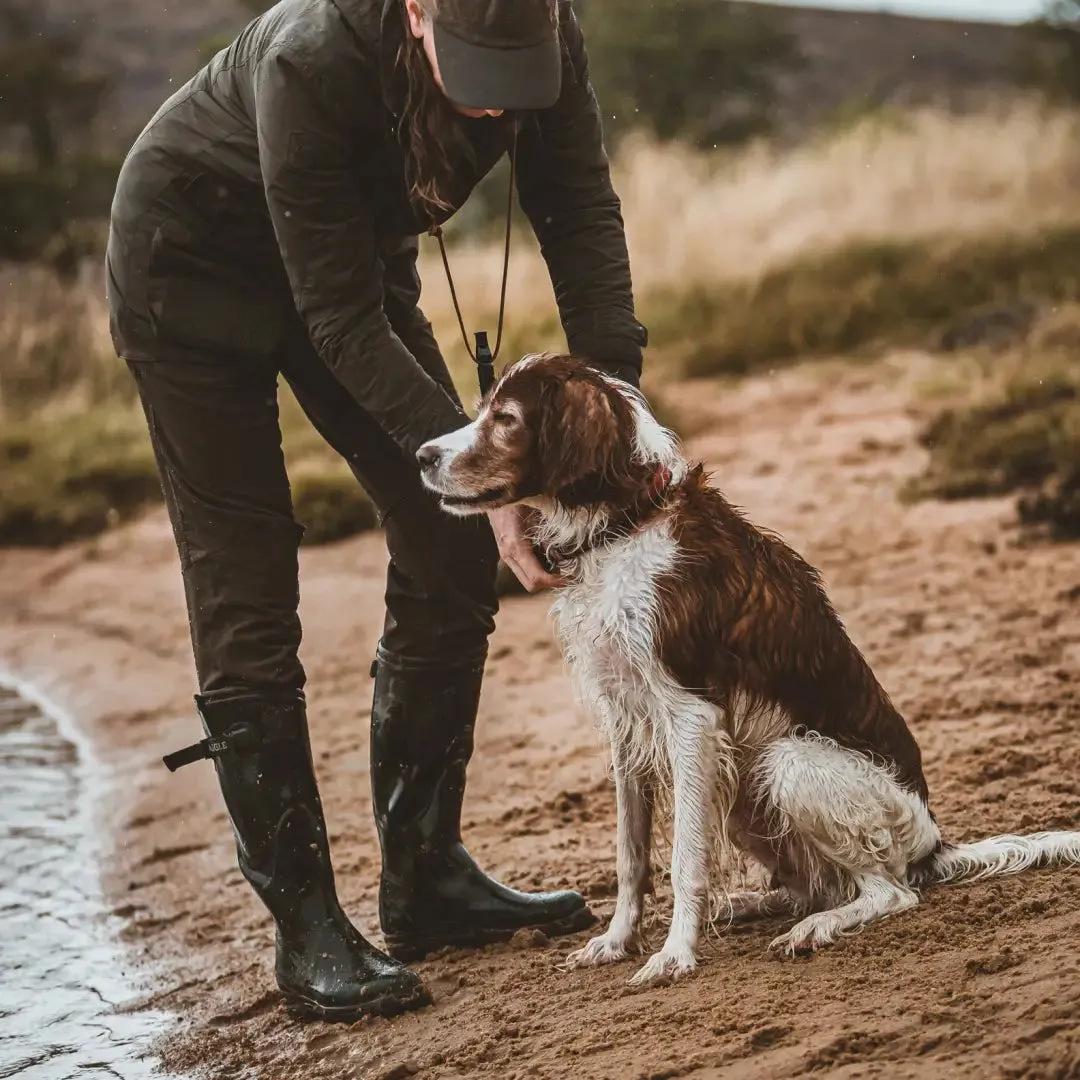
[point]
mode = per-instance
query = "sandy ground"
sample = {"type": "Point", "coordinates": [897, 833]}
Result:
{"type": "Point", "coordinates": [976, 637]}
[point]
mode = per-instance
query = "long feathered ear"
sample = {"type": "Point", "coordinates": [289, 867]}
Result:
{"type": "Point", "coordinates": [585, 446]}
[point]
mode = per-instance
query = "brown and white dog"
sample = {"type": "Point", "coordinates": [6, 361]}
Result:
{"type": "Point", "coordinates": [711, 657]}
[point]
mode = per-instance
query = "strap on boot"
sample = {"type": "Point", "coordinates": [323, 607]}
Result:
{"type": "Point", "coordinates": [240, 738]}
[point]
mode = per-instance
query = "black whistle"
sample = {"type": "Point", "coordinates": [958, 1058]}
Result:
{"type": "Point", "coordinates": [485, 363]}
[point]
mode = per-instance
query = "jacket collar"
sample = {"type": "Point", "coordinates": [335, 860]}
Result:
{"type": "Point", "coordinates": [377, 28]}
{"type": "Point", "coordinates": [391, 73]}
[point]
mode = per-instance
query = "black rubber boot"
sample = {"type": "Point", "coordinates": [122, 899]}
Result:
{"type": "Point", "coordinates": [432, 894]}
{"type": "Point", "coordinates": [325, 968]}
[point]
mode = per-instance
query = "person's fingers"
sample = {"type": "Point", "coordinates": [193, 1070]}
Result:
{"type": "Point", "coordinates": [528, 569]}
{"type": "Point", "coordinates": [520, 574]}
{"type": "Point", "coordinates": [518, 554]}
{"type": "Point", "coordinates": [537, 576]}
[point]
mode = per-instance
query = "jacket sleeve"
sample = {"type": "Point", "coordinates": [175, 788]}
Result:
{"type": "Point", "coordinates": [401, 283]}
{"type": "Point", "coordinates": [564, 186]}
{"type": "Point", "coordinates": [327, 238]}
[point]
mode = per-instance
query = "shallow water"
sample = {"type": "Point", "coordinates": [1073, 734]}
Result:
{"type": "Point", "coordinates": [61, 967]}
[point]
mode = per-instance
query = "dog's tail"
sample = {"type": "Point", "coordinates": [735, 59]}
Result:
{"type": "Point", "coordinates": [1006, 854]}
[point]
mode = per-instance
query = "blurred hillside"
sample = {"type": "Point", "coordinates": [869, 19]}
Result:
{"type": "Point", "coordinates": [851, 60]}
{"type": "Point", "coordinates": [712, 73]}
{"type": "Point", "coordinates": [148, 49]}
{"type": "Point", "coordinates": [860, 60]}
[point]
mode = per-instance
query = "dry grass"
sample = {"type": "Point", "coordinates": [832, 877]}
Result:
{"type": "Point", "coordinates": [696, 224]}
{"type": "Point", "coordinates": [55, 350]}
{"type": "Point", "coordinates": [934, 294]}
{"type": "Point", "coordinates": [1014, 428]}
{"type": "Point", "coordinates": [886, 232]}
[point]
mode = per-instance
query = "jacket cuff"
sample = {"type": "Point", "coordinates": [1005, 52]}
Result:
{"type": "Point", "coordinates": [628, 373]}
{"type": "Point", "coordinates": [617, 352]}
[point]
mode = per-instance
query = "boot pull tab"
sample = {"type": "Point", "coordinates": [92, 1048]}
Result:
{"type": "Point", "coordinates": [200, 751]}
{"type": "Point", "coordinates": [238, 740]}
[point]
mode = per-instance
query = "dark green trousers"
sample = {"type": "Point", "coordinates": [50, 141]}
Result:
{"type": "Point", "coordinates": [212, 412]}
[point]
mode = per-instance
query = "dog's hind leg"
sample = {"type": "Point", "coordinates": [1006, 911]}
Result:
{"type": "Point", "coordinates": [703, 788]}
{"type": "Point", "coordinates": [876, 897]}
{"type": "Point", "coordinates": [845, 832]}
{"type": "Point", "coordinates": [633, 798]}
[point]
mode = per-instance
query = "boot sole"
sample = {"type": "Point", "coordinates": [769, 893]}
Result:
{"type": "Point", "coordinates": [305, 1008]}
{"type": "Point", "coordinates": [408, 948]}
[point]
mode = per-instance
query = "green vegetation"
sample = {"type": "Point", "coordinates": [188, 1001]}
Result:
{"type": "Point", "coordinates": [1021, 438]}
{"type": "Point", "coordinates": [74, 454]}
{"type": "Point", "coordinates": [70, 478]}
{"type": "Point", "coordinates": [864, 297]}
{"type": "Point", "coordinates": [53, 183]}
{"type": "Point", "coordinates": [330, 504]}
{"type": "Point", "coordinates": [700, 70]}
{"type": "Point", "coordinates": [1049, 58]}
{"type": "Point", "coordinates": [66, 475]}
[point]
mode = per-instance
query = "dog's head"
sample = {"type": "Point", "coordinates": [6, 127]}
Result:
{"type": "Point", "coordinates": [553, 433]}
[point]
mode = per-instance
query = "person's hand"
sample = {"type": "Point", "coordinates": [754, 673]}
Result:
{"type": "Point", "coordinates": [508, 524]}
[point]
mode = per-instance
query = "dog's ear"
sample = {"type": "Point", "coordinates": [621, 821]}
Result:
{"type": "Point", "coordinates": [584, 440]}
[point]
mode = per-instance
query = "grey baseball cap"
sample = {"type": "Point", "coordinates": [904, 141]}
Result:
{"type": "Point", "coordinates": [499, 54]}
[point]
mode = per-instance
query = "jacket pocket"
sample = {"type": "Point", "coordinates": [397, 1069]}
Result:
{"type": "Point", "coordinates": [197, 302]}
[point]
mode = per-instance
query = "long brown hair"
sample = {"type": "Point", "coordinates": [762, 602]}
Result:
{"type": "Point", "coordinates": [429, 127]}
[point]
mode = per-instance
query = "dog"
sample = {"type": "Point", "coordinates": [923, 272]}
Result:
{"type": "Point", "coordinates": [709, 654]}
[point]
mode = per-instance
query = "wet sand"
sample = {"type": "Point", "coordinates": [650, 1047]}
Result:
{"type": "Point", "coordinates": [976, 638]}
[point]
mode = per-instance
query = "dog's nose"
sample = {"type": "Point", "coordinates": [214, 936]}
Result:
{"type": "Point", "coordinates": [428, 456]}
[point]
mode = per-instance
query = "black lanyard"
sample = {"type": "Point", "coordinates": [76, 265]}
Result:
{"type": "Point", "coordinates": [483, 356]}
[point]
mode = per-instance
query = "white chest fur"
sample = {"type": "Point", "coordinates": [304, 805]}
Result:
{"type": "Point", "coordinates": [606, 622]}
{"type": "Point", "coordinates": [612, 607]}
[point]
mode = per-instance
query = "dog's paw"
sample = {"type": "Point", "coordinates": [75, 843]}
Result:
{"type": "Point", "coordinates": [664, 965]}
{"type": "Point", "coordinates": [606, 949]}
{"type": "Point", "coordinates": [809, 935]}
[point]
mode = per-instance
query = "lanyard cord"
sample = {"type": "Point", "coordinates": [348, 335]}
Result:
{"type": "Point", "coordinates": [483, 357]}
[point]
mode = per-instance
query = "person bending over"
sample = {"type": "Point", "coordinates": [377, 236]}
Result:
{"type": "Point", "coordinates": [265, 223]}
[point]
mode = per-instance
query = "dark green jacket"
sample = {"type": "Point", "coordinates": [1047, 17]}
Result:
{"type": "Point", "coordinates": [274, 179]}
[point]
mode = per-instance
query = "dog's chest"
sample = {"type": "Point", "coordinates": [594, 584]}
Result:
{"type": "Point", "coordinates": [607, 620]}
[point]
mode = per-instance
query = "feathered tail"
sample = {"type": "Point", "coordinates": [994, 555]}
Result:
{"type": "Point", "coordinates": [1006, 854]}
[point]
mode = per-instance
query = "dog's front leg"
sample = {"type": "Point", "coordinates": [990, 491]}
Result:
{"type": "Point", "coordinates": [633, 798]}
{"type": "Point", "coordinates": [695, 781]}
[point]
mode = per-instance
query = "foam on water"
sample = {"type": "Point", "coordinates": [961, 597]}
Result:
{"type": "Point", "coordinates": [62, 969]}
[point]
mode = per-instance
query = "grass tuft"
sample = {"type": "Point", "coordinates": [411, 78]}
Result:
{"type": "Point", "coordinates": [331, 506]}
{"type": "Point", "coordinates": [68, 475]}
{"type": "Point", "coordinates": [874, 296]}
{"type": "Point", "coordinates": [67, 478]}
{"type": "Point", "coordinates": [1022, 437]}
